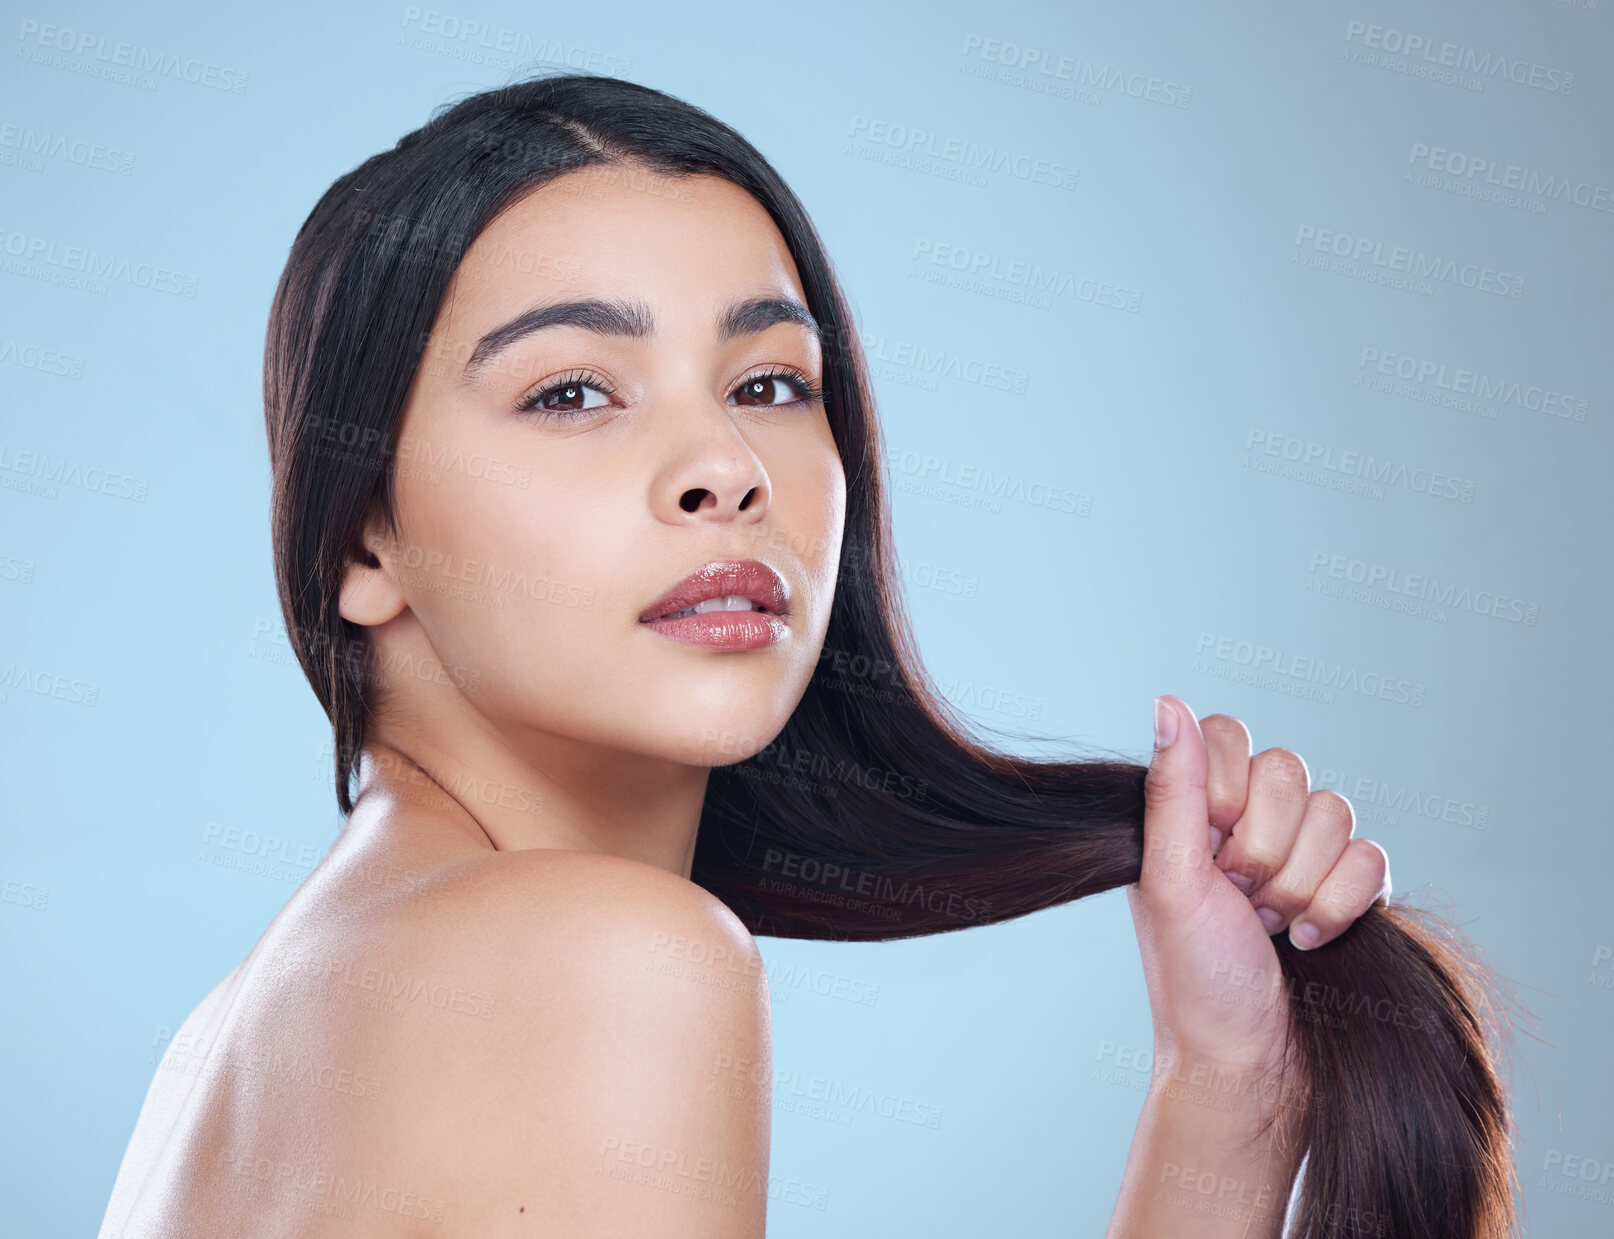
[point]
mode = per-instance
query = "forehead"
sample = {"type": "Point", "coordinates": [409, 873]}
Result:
{"type": "Point", "coordinates": [688, 242]}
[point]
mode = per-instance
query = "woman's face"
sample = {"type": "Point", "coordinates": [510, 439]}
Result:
{"type": "Point", "coordinates": [554, 483]}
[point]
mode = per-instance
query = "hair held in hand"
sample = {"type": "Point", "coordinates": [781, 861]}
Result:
{"type": "Point", "coordinates": [873, 815]}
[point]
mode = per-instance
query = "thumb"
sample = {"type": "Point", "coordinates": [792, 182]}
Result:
{"type": "Point", "coordinates": [1176, 817]}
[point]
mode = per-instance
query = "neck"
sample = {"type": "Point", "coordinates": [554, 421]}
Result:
{"type": "Point", "coordinates": [551, 792]}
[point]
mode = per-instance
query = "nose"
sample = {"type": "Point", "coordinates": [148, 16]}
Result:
{"type": "Point", "coordinates": [712, 476]}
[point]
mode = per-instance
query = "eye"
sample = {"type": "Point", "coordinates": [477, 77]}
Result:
{"type": "Point", "coordinates": [568, 395]}
{"type": "Point", "coordinates": [763, 389]}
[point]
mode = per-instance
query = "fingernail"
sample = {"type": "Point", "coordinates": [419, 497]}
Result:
{"type": "Point", "coordinates": [1304, 935]}
{"type": "Point", "coordinates": [1271, 918]}
{"type": "Point", "coordinates": [1215, 840]}
{"type": "Point", "coordinates": [1240, 881]}
{"type": "Point", "coordinates": [1165, 724]}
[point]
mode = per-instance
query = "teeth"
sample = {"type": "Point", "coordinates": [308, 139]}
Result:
{"type": "Point", "coordinates": [729, 602]}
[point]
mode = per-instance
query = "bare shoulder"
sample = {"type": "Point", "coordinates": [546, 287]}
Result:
{"type": "Point", "coordinates": [583, 1043]}
{"type": "Point", "coordinates": [542, 882]}
{"type": "Point", "coordinates": [525, 921]}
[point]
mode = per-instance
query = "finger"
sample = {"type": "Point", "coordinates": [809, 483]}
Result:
{"type": "Point", "coordinates": [1176, 861]}
{"type": "Point", "coordinates": [1325, 830]}
{"type": "Point", "coordinates": [1227, 786]}
{"type": "Point", "coordinates": [1263, 837]}
{"type": "Point", "coordinates": [1358, 880]}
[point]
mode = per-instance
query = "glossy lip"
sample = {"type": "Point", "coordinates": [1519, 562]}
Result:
{"type": "Point", "coordinates": [748, 578]}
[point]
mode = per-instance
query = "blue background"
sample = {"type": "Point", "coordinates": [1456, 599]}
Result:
{"type": "Point", "coordinates": [1273, 126]}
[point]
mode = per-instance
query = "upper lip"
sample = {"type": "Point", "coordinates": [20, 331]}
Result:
{"type": "Point", "coordinates": [749, 578]}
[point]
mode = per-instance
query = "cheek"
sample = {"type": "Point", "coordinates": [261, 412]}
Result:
{"type": "Point", "coordinates": [806, 526]}
{"type": "Point", "coordinates": [509, 581]}
{"type": "Point", "coordinates": [814, 512]}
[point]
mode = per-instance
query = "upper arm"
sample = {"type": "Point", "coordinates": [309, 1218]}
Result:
{"type": "Point", "coordinates": [621, 1086]}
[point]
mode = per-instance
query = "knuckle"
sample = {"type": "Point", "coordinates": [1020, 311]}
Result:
{"type": "Point", "coordinates": [1223, 803]}
{"type": "Point", "coordinates": [1260, 862]}
{"type": "Point", "coordinates": [1159, 786]}
{"type": "Point", "coordinates": [1296, 884]}
{"type": "Point", "coordinates": [1328, 917]}
{"type": "Point", "coordinates": [1370, 856]}
{"type": "Point", "coordinates": [1286, 895]}
{"type": "Point", "coordinates": [1282, 772]}
{"type": "Point", "coordinates": [1339, 905]}
{"type": "Point", "coordinates": [1338, 901]}
{"type": "Point", "coordinates": [1349, 892]}
{"type": "Point", "coordinates": [1225, 723]}
{"type": "Point", "coordinates": [1333, 813]}
{"type": "Point", "coordinates": [1227, 785]}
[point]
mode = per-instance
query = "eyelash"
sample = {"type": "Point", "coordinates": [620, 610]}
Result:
{"type": "Point", "coordinates": [587, 378]}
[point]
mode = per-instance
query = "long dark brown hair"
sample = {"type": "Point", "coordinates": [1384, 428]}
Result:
{"type": "Point", "coordinates": [875, 814]}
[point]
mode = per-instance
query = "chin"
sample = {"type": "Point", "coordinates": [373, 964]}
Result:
{"type": "Point", "coordinates": [720, 739]}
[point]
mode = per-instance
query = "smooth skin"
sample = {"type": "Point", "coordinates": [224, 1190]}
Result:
{"type": "Point", "coordinates": [531, 789]}
{"type": "Point", "coordinates": [499, 1006]}
{"type": "Point", "coordinates": [1236, 849]}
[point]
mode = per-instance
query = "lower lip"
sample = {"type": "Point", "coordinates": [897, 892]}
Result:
{"type": "Point", "coordinates": [723, 630]}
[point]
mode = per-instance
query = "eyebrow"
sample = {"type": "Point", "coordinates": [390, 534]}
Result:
{"type": "Point", "coordinates": [632, 319]}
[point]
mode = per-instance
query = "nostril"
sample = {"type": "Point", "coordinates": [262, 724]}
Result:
{"type": "Point", "coordinates": [692, 499]}
{"type": "Point", "coordinates": [746, 502]}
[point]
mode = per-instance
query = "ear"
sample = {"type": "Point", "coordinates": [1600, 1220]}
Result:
{"type": "Point", "coordinates": [370, 596]}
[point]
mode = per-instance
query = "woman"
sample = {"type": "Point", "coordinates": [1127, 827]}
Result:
{"type": "Point", "coordinates": [581, 540]}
